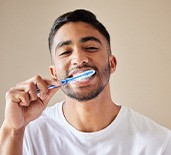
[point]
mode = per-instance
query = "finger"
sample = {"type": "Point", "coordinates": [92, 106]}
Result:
{"type": "Point", "coordinates": [51, 92]}
{"type": "Point", "coordinates": [29, 88]}
{"type": "Point", "coordinates": [17, 96]}
{"type": "Point", "coordinates": [23, 97]}
{"type": "Point", "coordinates": [40, 84]}
{"type": "Point", "coordinates": [54, 82]}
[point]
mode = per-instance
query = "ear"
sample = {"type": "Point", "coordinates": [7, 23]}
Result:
{"type": "Point", "coordinates": [113, 63]}
{"type": "Point", "coordinates": [52, 71]}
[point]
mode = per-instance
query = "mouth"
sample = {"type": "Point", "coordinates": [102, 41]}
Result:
{"type": "Point", "coordinates": [85, 75]}
{"type": "Point", "coordinates": [77, 72]}
{"type": "Point", "coordinates": [82, 75]}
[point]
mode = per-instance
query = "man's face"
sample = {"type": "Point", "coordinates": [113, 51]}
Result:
{"type": "Point", "coordinates": [78, 47]}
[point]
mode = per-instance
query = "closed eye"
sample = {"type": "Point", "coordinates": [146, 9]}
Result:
{"type": "Point", "coordinates": [91, 48]}
{"type": "Point", "coordinates": [65, 53]}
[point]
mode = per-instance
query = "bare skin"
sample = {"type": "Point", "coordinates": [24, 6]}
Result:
{"type": "Point", "coordinates": [91, 116]}
{"type": "Point", "coordinates": [24, 105]}
{"type": "Point", "coordinates": [99, 112]}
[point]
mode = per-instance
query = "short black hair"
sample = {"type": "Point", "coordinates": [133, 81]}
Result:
{"type": "Point", "coordinates": [75, 16]}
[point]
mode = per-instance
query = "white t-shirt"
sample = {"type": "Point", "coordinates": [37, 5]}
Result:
{"type": "Point", "coordinates": [129, 134]}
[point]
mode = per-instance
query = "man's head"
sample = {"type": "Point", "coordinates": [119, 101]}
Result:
{"type": "Point", "coordinates": [75, 16]}
{"type": "Point", "coordinates": [78, 45]}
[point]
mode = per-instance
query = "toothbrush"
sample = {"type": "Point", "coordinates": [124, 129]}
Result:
{"type": "Point", "coordinates": [87, 73]}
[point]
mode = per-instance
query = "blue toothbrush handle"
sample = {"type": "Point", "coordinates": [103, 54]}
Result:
{"type": "Point", "coordinates": [67, 80]}
{"type": "Point", "coordinates": [53, 86]}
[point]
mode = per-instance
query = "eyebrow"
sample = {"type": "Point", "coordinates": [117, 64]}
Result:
{"type": "Point", "coordinates": [89, 38]}
{"type": "Point", "coordinates": [63, 43]}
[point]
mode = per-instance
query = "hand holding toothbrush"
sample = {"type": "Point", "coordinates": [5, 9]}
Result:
{"type": "Point", "coordinates": [24, 104]}
{"type": "Point", "coordinates": [27, 100]}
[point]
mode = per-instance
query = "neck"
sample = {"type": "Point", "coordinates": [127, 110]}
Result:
{"type": "Point", "coordinates": [92, 115]}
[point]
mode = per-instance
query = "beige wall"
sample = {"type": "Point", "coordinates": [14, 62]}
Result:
{"type": "Point", "coordinates": [141, 40]}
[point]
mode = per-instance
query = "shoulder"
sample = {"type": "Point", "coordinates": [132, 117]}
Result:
{"type": "Point", "coordinates": [168, 147]}
{"type": "Point", "coordinates": [149, 132]}
{"type": "Point", "coordinates": [49, 117]}
{"type": "Point", "coordinates": [144, 123]}
{"type": "Point", "coordinates": [45, 131]}
{"type": "Point", "coordinates": [52, 111]}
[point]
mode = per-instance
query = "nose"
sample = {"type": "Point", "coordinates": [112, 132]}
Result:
{"type": "Point", "coordinates": [79, 57]}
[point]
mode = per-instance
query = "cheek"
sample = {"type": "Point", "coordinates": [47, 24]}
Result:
{"type": "Point", "coordinates": [101, 61]}
{"type": "Point", "coordinates": [61, 69]}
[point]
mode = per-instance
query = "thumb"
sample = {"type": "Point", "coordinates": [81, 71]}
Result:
{"type": "Point", "coordinates": [51, 92]}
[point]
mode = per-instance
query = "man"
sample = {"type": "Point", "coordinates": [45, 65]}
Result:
{"type": "Point", "coordinates": [88, 122]}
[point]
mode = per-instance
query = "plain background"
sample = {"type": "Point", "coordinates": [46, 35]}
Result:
{"type": "Point", "coordinates": [140, 37]}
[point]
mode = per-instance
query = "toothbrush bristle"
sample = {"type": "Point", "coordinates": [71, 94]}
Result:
{"type": "Point", "coordinates": [88, 73]}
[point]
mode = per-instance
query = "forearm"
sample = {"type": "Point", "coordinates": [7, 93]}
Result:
{"type": "Point", "coordinates": [11, 141]}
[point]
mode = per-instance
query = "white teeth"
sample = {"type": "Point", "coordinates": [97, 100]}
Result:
{"type": "Point", "coordinates": [76, 75]}
{"type": "Point", "coordinates": [82, 78]}
{"type": "Point", "coordinates": [83, 75]}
